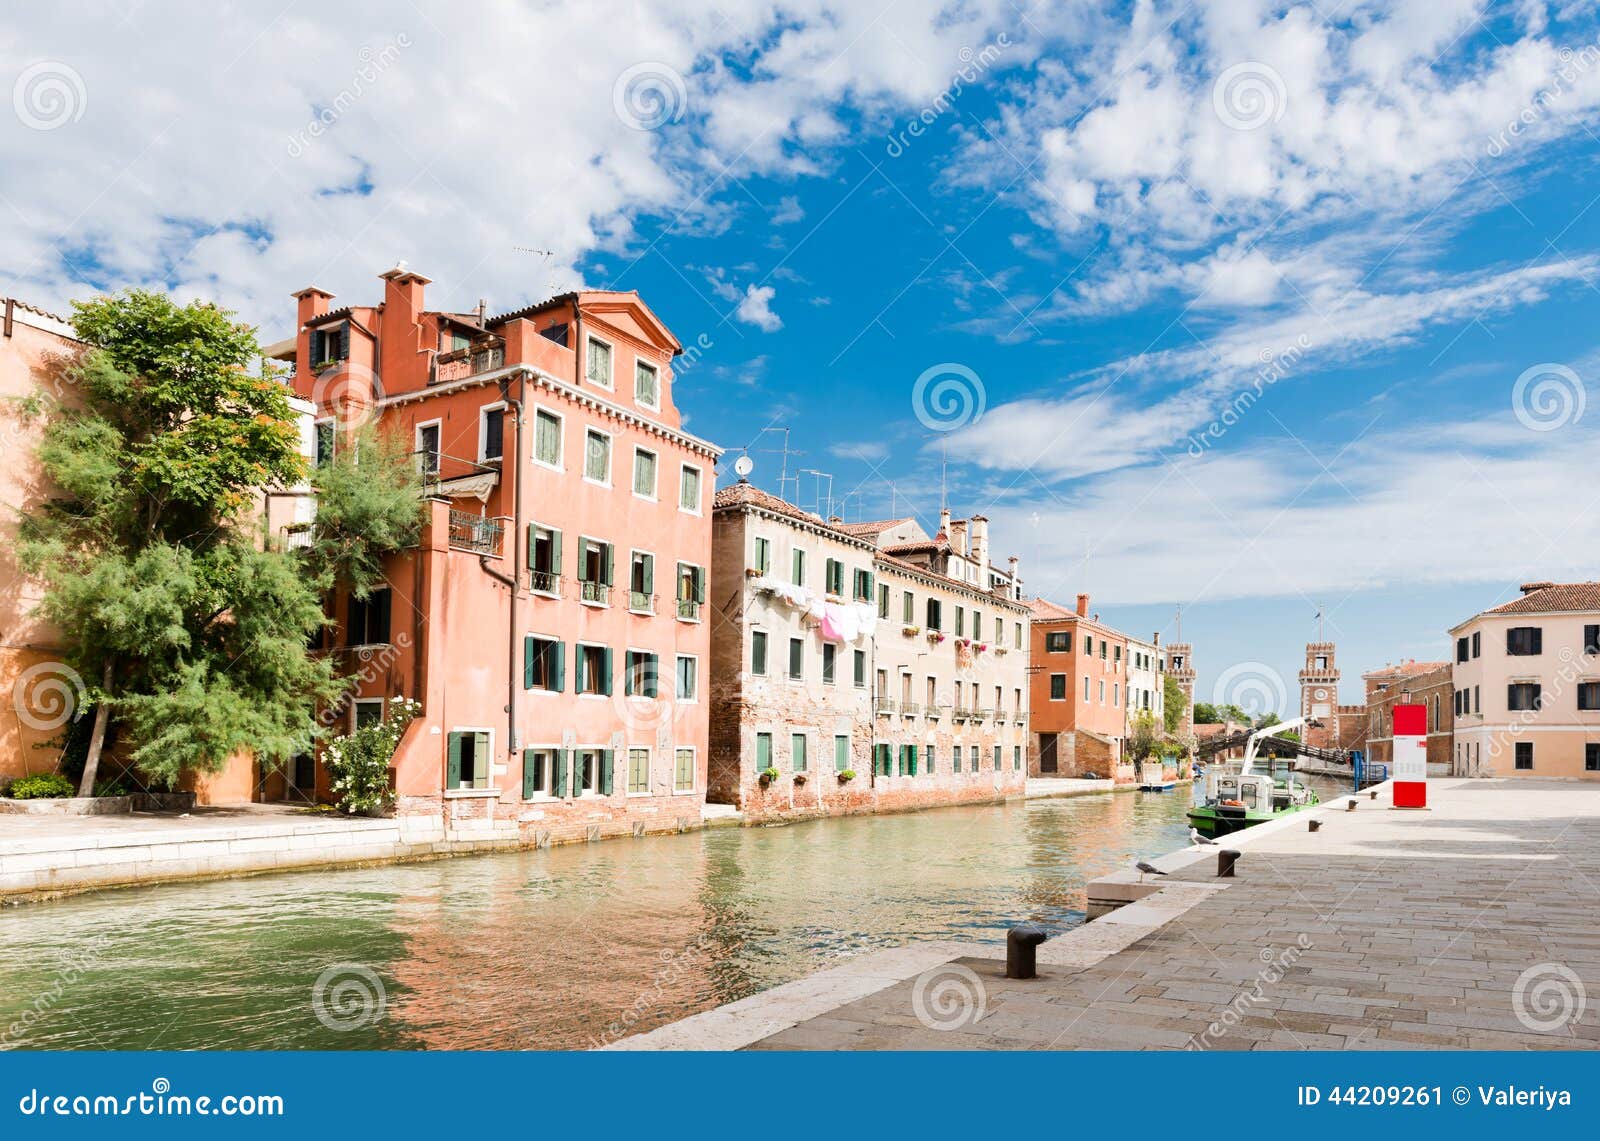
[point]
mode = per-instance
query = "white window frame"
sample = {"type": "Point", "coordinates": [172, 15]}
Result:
{"type": "Point", "coordinates": [649, 770]}
{"type": "Point", "coordinates": [700, 478]}
{"type": "Point", "coordinates": [640, 362]}
{"type": "Point", "coordinates": [483, 434]}
{"type": "Point", "coordinates": [632, 551]}
{"type": "Point", "coordinates": [655, 456]}
{"type": "Point", "coordinates": [549, 776]}
{"type": "Point", "coordinates": [588, 693]}
{"type": "Point", "coordinates": [540, 637]}
{"type": "Point", "coordinates": [333, 436]}
{"type": "Point", "coordinates": [561, 439]}
{"type": "Point", "coordinates": [492, 789]}
{"type": "Point", "coordinates": [1066, 690]}
{"type": "Point", "coordinates": [679, 697]}
{"type": "Point", "coordinates": [577, 770]}
{"type": "Point", "coordinates": [694, 770]}
{"type": "Point", "coordinates": [528, 554]}
{"type": "Point", "coordinates": [416, 437]}
{"type": "Point", "coordinates": [355, 703]}
{"type": "Point", "coordinates": [611, 456]}
{"type": "Point", "coordinates": [704, 577]}
{"type": "Point", "coordinates": [610, 384]}
{"type": "Point", "coordinates": [642, 651]}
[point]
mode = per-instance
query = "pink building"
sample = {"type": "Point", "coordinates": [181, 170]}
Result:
{"type": "Point", "coordinates": [1526, 676]}
{"type": "Point", "coordinates": [551, 621]}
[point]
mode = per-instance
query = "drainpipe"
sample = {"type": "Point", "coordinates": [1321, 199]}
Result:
{"type": "Point", "coordinates": [514, 549]}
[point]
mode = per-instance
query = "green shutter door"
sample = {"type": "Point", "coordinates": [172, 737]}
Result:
{"type": "Point", "coordinates": [453, 774]}
{"type": "Point", "coordinates": [606, 758]}
{"type": "Point", "coordinates": [913, 761]}
{"type": "Point", "coordinates": [529, 769]}
{"type": "Point", "coordinates": [560, 783]}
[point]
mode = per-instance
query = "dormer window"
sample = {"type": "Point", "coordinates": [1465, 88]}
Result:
{"type": "Point", "coordinates": [646, 385]}
{"type": "Point", "coordinates": [330, 344]}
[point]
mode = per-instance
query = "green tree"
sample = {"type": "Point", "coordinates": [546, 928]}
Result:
{"type": "Point", "coordinates": [1145, 737]}
{"type": "Point", "coordinates": [196, 636]}
{"type": "Point", "coordinates": [1173, 703]}
{"type": "Point", "coordinates": [366, 507]}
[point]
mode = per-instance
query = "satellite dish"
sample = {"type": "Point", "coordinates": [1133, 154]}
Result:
{"type": "Point", "coordinates": [743, 466]}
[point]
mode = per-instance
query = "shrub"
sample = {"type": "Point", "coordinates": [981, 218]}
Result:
{"type": "Point", "coordinates": [847, 775]}
{"type": "Point", "coordinates": [767, 776]}
{"type": "Point", "coordinates": [112, 786]}
{"type": "Point", "coordinates": [359, 763]}
{"type": "Point", "coordinates": [45, 786]}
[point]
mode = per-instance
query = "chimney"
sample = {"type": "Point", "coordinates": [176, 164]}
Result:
{"type": "Point", "coordinates": [980, 548]}
{"type": "Point", "coordinates": [402, 294]}
{"type": "Point", "coordinates": [1016, 583]}
{"type": "Point", "coordinates": [1083, 606]}
{"type": "Point", "coordinates": [958, 536]}
{"type": "Point", "coordinates": [312, 303]}
{"type": "Point", "coordinates": [1530, 587]}
{"type": "Point", "coordinates": [944, 520]}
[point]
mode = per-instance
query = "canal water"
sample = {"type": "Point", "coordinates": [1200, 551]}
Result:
{"type": "Point", "coordinates": [564, 948]}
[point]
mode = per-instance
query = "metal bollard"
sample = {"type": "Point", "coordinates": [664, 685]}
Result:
{"type": "Point", "coordinates": [1022, 945]}
{"type": "Point", "coordinates": [1350, 805]}
{"type": "Point", "coordinates": [1313, 825]}
{"type": "Point", "coordinates": [1225, 861]}
{"type": "Point", "coordinates": [1373, 795]}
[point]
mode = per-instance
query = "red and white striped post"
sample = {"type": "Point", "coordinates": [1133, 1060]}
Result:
{"type": "Point", "coordinates": [1410, 756]}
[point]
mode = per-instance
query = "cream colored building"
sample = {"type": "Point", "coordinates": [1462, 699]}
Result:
{"type": "Point", "coordinates": [1526, 676]}
{"type": "Point", "coordinates": [1146, 672]}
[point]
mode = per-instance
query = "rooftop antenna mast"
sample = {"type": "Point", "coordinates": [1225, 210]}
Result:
{"type": "Point", "coordinates": [783, 475]}
{"type": "Point", "coordinates": [821, 475]}
{"type": "Point", "coordinates": [544, 264]}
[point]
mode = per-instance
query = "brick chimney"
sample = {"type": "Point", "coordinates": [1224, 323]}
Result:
{"type": "Point", "coordinates": [400, 333]}
{"type": "Point", "coordinates": [312, 303]}
{"type": "Point", "coordinates": [944, 520]}
{"type": "Point", "coordinates": [1530, 587]}
{"type": "Point", "coordinates": [980, 548]}
{"type": "Point", "coordinates": [958, 536]}
{"type": "Point", "coordinates": [1083, 606]}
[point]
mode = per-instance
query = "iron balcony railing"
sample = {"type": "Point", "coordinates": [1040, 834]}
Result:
{"type": "Point", "coordinates": [476, 533]}
{"type": "Point", "coordinates": [883, 706]}
{"type": "Point", "coordinates": [688, 608]}
{"type": "Point", "coordinates": [593, 591]}
{"type": "Point", "coordinates": [983, 713]}
{"type": "Point", "coordinates": [937, 711]}
{"type": "Point", "coordinates": [641, 603]}
{"type": "Point", "coordinates": [909, 709]}
{"type": "Point", "coordinates": [544, 582]}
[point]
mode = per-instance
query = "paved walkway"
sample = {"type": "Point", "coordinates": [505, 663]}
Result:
{"type": "Point", "coordinates": [1472, 926]}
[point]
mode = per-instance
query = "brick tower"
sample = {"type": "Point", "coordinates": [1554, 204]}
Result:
{"type": "Point", "coordinates": [1180, 667]}
{"type": "Point", "coordinates": [1319, 695]}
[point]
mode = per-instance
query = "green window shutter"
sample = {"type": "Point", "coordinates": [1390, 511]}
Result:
{"type": "Point", "coordinates": [560, 788]}
{"type": "Point", "coordinates": [700, 585]}
{"type": "Point", "coordinates": [532, 530]}
{"type": "Point", "coordinates": [481, 762]}
{"type": "Point", "coordinates": [869, 584]}
{"type": "Point", "coordinates": [841, 753]}
{"type": "Point", "coordinates": [652, 677]}
{"type": "Point", "coordinates": [555, 552]}
{"type": "Point", "coordinates": [912, 753]}
{"type": "Point", "coordinates": [931, 752]}
{"type": "Point", "coordinates": [529, 649]}
{"type": "Point", "coordinates": [583, 547]}
{"type": "Point", "coordinates": [580, 662]}
{"type": "Point", "coordinates": [629, 664]}
{"type": "Point", "coordinates": [649, 574]}
{"type": "Point", "coordinates": [529, 768]}
{"type": "Point", "coordinates": [606, 571]}
{"type": "Point", "coordinates": [607, 757]}
{"type": "Point", "coordinates": [605, 671]}
{"type": "Point", "coordinates": [558, 665]}
{"type": "Point", "coordinates": [453, 776]}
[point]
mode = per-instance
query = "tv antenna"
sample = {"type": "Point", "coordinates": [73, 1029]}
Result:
{"type": "Point", "coordinates": [786, 451]}
{"type": "Point", "coordinates": [821, 475]}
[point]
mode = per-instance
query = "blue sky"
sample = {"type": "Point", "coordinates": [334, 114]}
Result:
{"type": "Point", "coordinates": [1119, 223]}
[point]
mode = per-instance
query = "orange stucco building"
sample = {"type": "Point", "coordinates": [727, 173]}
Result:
{"type": "Point", "coordinates": [1079, 686]}
{"type": "Point", "coordinates": [551, 622]}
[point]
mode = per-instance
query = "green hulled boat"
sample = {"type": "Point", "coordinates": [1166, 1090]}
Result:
{"type": "Point", "coordinates": [1238, 800]}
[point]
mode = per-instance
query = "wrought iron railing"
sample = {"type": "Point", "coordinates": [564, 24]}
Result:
{"type": "Point", "coordinates": [641, 602]}
{"type": "Point", "coordinates": [688, 608]}
{"type": "Point", "coordinates": [883, 705]}
{"type": "Point", "coordinates": [590, 590]}
{"type": "Point", "coordinates": [544, 582]}
{"type": "Point", "coordinates": [476, 533]}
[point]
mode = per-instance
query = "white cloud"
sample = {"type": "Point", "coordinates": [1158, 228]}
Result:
{"type": "Point", "coordinates": [789, 210]}
{"type": "Point", "coordinates": [756, 309]}
{"type": "Point", "coordinates": [1490, 500]}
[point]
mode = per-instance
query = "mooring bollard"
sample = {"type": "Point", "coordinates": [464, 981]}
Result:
{"type": "Point", "coordinates": [1350, 805]}
{"type": "Point", "coordinates": [1373, 795]}
{"type": "Point", "coordinates": [1225, 861]}
{"type": "Point", "coordinates": [1313, 825]}
{"type": "Point", "coordinates": [1022, 945]}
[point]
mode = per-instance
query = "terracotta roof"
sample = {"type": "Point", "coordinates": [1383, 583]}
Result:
{"type": "Point", "coordinates": [1541, 597]}
{"type": "Point", "coordinates": [20, 304]}
{"type": "Point", "coordinates": [872, 529]}
{"type": "Point", "coordinates": [1406, 669]}
{"type": "Point", "coordinates": [1045, 609]}
{"type": "Point", "coordinates": [736, 494]}
{"type": "Point", "coordinates": [917, 545]}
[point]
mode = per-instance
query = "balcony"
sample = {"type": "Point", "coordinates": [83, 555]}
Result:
{"type": "Point", "coordinates": [594, 593]}
{"type": "Point", "coordinates": [983, 713]}
{"type": "Point", "coordinates": [883, 706]}
{"type": "Point", "coordinates": [641, 603]}
{"type": "Point", "coordinates": [450, 477]}
{"type": "Point", "coordinates": [461, 363]}
{"type": "Point", "coordinates": [935, 712]}
{"type": "Point", "coordinates": [959, 713]}
{"type": "Point", "coordinates": [544, 582]}
{"type": "Point", "coordinates": [688, 610]}
{"type": "Point", "coordinates": [909, 709]}
{"type": "Point", "coordinates": [476, 533]}
{"type": "Point", "coordinates": [299, 536]}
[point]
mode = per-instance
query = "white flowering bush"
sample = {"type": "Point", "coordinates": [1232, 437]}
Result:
{"type": "Point", "coordinates": [358, 764]}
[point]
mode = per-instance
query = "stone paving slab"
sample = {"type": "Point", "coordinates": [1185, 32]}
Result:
{"type": "Point", "coordinates": [1472, 926]}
